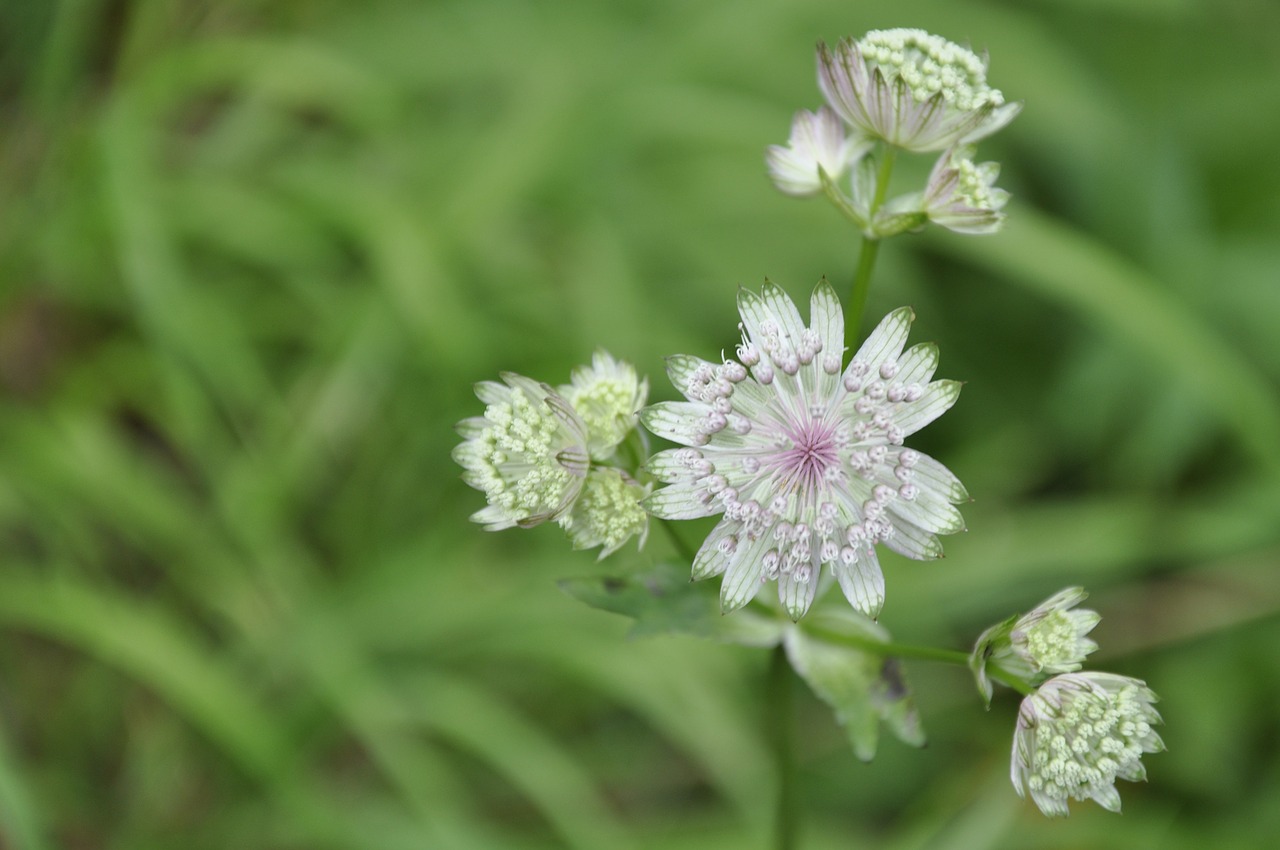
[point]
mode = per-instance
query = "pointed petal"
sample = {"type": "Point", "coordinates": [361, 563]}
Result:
{"type": "Point", "coordinates": [1108, 797]}
{"type": "Point", "coordinates": [784, 312]}
{"type": "Point", "coordinates": [754, 314]}
{"type": "Point", "coordinates": [493, 518]}
{"type": "Point", "coordinates": [680, 369]}
{"type": "Point", "coordinates": [741, 580]}
{"type": "Point", "coordinates": [913, 542]}
{"type": "Point", "coordinates": [917, 364]}
{"type": "Point", "coordinates": [998, 119]}
{"type": "Point", "coordinates": [710, 560]}
{"type": "Point", "coordinates": [676, 421]}
{"type": "Point", "coordinates": [928, 512]}
{"type": "Point", "coordinates": [827, 319]}
{"type": "Point", "coordinates": [937, 399]}
{"type": "Point", "coordinates": [932, 475]}
{"type": "Point", "coordinates": [862, 582]}
{"type": "Point", "coordinates": [667, 467]}
{"type": "Point", "coordinates": [887, 340]}
{"type": "Point", "coordinates": [682, 500]}
{"type": "Point", "coordinates": [492, 392]}
{"type": "Point", "coordinates": [471, 427]}
{"type": "Point", "coordinates": [796, 596]}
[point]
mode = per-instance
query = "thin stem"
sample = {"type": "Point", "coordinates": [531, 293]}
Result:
{"type": "Point", "coordinates": [870, 244]}
{"type": "Point", "coordinates": [1016, 682]}
{"type": "Point", "coordinates": [778, 722]}
{"type": "Point", "coordinates": [885, 648]}
{"type": "Point", "coordinates": [861, 284]}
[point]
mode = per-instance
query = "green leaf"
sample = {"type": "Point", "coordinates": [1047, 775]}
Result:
{"type": "Point", "coordinates": [864, 688]}
{"type": "Point", "coordinates": [664, 600]}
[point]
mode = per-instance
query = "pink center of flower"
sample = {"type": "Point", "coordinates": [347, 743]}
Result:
{"type": "Point", "coordinates": [813, 451]}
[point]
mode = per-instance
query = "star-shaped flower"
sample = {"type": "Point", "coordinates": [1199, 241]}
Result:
{"type": "Point", "coordinates": [804, 458]}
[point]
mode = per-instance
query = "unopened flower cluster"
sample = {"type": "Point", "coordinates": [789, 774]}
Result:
{"type": "Point", "coordinates": [898, 89]}
{"type": "Point", "coordinates": [1077, 732]}
{"type": "Point", "coordinates": [541, 453]}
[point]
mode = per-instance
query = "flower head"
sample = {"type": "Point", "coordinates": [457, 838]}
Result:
{"type": "Point", "coordinates": [962, 196]}
{"type": "Point", "coordinates": [607, 396]}
{"type": "Point", "coordinates": [607, 513]}
{"type": "Point", "coordinates": [915, 90]}
{"type": "Point", "coordinates": [1048, 639]}
{"type": "Point", "coordinates": [1077, 734]}
{"type": "Point", "coordinates": [817, 143]}
{"type": "Point", "coordinates": [804, 459]}
{"type": "Point", "coordinates": [527, 454]}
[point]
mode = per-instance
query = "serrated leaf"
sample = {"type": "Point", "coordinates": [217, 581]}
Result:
{"type": "Point", "coordinates": [664, 600]}
{"type": "Point", "coordinates": [863, 688]}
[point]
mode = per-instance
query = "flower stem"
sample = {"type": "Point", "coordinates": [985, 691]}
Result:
{"type": "Point", "coordinates": [861, 284]}
{"type": "Point", "coordinates": [778, 720]}
{"type": "Point", "coordinates": [884, 648]}
{"type": "Point", "coordinates": [870, 244]}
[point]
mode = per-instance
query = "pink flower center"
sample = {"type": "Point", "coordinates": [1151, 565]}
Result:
{"type": "Point", "coordinates": [813, 451]}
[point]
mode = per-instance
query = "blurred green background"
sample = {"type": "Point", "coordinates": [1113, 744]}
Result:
{"type": "Point", "coordinates": [254, 254]}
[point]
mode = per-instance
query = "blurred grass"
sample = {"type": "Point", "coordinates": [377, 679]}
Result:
{"type": "Point", "coordinates": [253, 256]}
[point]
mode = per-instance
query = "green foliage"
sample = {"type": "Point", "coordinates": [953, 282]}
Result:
{"type": "Point", "coordinates": [254, 255]}
{"type": "Point", "coordinates": [863, 688]}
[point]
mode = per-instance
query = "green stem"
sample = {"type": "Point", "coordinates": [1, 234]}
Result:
{"type": "Point", "coordinates": [1019, 684]}
{"type": "Point", "coordinates": [861, 285]}
{"type": "Point", "coordinates": [870, 244]}
{"type": "Point", "coordinates": [778, 721]}
{"type": "Point", "coordinates": [885, 648]}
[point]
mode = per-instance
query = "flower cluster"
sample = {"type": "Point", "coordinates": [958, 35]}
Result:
{"type": "Point", "coordinates": [903, 89]}
{"type": "Point", "coordinates": [1048, 639]}
{"type": "Point", "coordinates": [540, 453]}
{"type": "Point", "coordinates": [1077, 732]}
{"type": "Point", "coordinates": [804, 456]}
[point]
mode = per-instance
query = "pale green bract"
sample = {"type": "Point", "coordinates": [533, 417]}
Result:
{"type": "Point", "coordinates": [914, 90]}
{"type": "Point", "coordinates": [607, 396]}
{"type": "Point", "coordinates": [607, 512]}
{"type": "Point", "coordinates": [1050, 638]}
{"type": "Point", "coordinates": [1077, 734]}
{"type": "Point", "coordinates": [817, 145]}
{"type": "Point", "coordinates": [527, 454]}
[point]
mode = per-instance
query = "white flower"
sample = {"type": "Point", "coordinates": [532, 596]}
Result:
{"type": "Point", "coordinates": [817, 142]}
{"type": "Point", "coordinates": [804, 459]}
{"type": "Point", "coordinates": [1048, 639]}
{"type": "Point", "coordinates": [916, 91]}
{"type": "Point", "coordinates": [607, 397]}
{"type": "Point", "coordinates": [527, 454]}
{"type": "Point", "coordinates": [607, 513]}
{"type": "Point", "coordinates": [962, 196]}
{"type": "Point", "coordinates": [1077, 734]}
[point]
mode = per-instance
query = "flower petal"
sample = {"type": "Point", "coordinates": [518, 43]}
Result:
{"type": "Point", "coordinates": [917, 364]}
{"type": "Point", "coordinates": [914, 542]}
{"type": "Point", "coordinates": [932, 475]}
{"type": "Point", "coordinates": [887, 340]}
{"type": "Point", "coordinates": [937, 399]}
{"type": "Point", "coordinates": [682, 500]}
{"type": "Point", "coordinates": [862, 582]}
{"type": "Point", "coordinates": [710, 559]}
{"type": "Point", "coordinates": [827, 319]}
{"type": "Point", "coordinates": [796, 596]}
{"type": "Point", "coordinates": [677, 421]}
{"type": "Point", "coordinates": [784, 312]}
{"type": "Point", "coordinates": [741, 580]}
{"type": "Point", "coordinates": [927, 512]}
